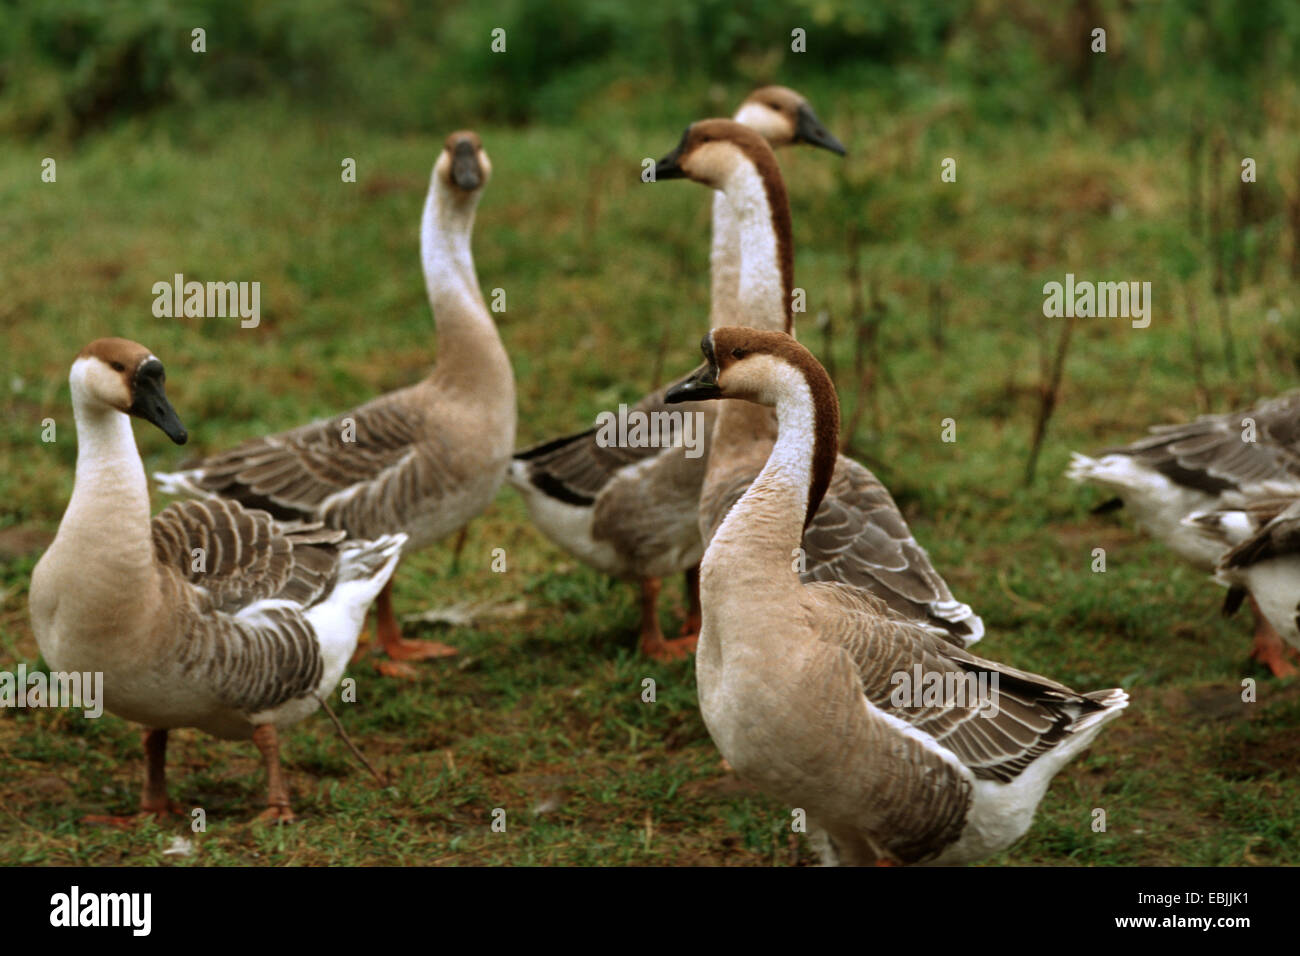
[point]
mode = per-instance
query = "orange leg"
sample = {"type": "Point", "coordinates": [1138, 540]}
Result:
{"type": "Point", "coordinates": [153, 798]}
{"type": "Point", "coordinates": [395, 646]}
{"type": "Point", "coordinates": [653, 644]}
{"type": "Point", "coordinates": [277, 799]}
{"type": "Point", "coordinates": [694, 616]}
{"type": "Point", "coordinates": [1269, 648]}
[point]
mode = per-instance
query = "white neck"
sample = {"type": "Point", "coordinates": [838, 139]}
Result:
{"type": "Point", "coordinates": [446, 228]}
{"type": "Point", "coordinates": [108, 515]}
{"type": "Point", "coordinates": [471, 357]}
{"type": "Point", "coordinates": [760, 292]}
{"type": "Point", "coordinates": [758, 537]}
{"type": "Point", "coordinates": [724, 265]}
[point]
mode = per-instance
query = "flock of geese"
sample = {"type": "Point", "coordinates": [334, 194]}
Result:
{"type": "Point", "coordinates": [236, 610]}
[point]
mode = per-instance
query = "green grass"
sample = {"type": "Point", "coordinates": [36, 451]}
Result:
{"type": "Point", "coordinates": [606, 283]}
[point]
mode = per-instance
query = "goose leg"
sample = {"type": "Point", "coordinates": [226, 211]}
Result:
{"type": "Point", "coordinates": [398, 648]}
{"type": "Point", "coordinates": [277, 810]}
{"type": "Point", "coordinates": [653, 644]}
{"type": "Point", "coordinates": [1269, 648]}
{"type": "Point", "coordinates": [694, 615]}
{"type": "Point", "coordinates": [153, 798]}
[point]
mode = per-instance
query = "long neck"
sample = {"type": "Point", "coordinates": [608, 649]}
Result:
{"type": "Point", "coordinates": [765, 526]}
{"type": "Point", "coordinates": [758, 216]}
{"type": "Point", "coordinates": [108, 516]}
{"type": "Point", "coordinates": [760, 212]}
{"type": "Point", "coordinates": [470, 353]}
{"type": "Point", "coordinates": [724, 265]}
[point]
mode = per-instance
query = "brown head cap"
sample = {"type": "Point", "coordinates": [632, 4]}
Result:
{"type": "Point", "coordinates": [731, 371]}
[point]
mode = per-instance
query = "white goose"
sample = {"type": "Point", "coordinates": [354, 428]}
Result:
{"type": "Point", "coordinates": [423, 460]}
{"type": "Point", "coordinates": [210, 615]}
{"type": "Point", "coordinates": [1198, 467]}
{"type": "Point", "coordinates": [804, 687]}
{"type": "Point", "coordinates": [858, 537]}
{"type": "Point", "coordinates": [632, 512]}
{"type": "Point", "coordinates": [1259, 534]}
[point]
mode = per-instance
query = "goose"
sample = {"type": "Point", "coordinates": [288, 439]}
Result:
{"type": "Point", "coordinates": [210, 615]}
{"type": "Point", "coordinates": [631, 512]}
{"type": "Point", "coordinates": [1181, 470]}
{"type": "Point", "coordinates": [1260, 534]}
{"type": "Point", "coordinates": [803, 686]}
{"type": "Point", "coordinates": [858, 537]}
{"type": "Point", "coordinates": [423, 460]}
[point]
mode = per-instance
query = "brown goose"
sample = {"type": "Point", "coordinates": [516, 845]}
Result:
{"type": "Point", "coordinates": [632, 512]}
{"type": "Point", "coordinates": [210, 615]}
{"type": "Point", "coordinates": [858, 536]}
{"type": "Point", "coordinates": [1201, 467]}
{"type": "Point", "coordinates": [423, 460]}
{"type": "Point", "coordinates": [822, 695]}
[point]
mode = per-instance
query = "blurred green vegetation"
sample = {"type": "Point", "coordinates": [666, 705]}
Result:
{"type": "Point", "coordinates": [75, 66]}
{"type": "Point", "coordinates": [924, 299]}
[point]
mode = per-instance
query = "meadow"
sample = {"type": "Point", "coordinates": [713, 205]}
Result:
{"type": "Point", "coordinates": [924, 300]}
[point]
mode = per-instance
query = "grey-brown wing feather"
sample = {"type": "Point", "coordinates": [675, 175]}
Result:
{"type": "Point", "coordinates": [239, 556]}
{"type": "Point", "coordinates": [225, 558]}
{"type": "Point", "coordinates": [1279, 537]}
{"type": "Point", "coordinates": [1210, 455]}
{"type": "Point", "coordinates": [1033, 713]}
{"type": "Point", "coordinates": [860, 538]}
{"type": "Point", "coordinates": [295, 473]}
{"type": "Point", "coordinates": [917, 799]}
{"type": "Point", "coordinates": [576, 468]}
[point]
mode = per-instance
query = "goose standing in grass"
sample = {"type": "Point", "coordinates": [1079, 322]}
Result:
{"type": "Point", "coordinates": [1179, 470]}
{"type": "Point", "coordinates": [633, 512]}
{"type": "Point", "coordinates": [799, 682]}
{"type": "Point", "coordinates": [209, 615]}
{"type": "Point", "coordinates": [423, 460]}
{"type": "Point", "coordinates": [1260, 533]}
{"type": "Point", "coordinates": [858, 537]}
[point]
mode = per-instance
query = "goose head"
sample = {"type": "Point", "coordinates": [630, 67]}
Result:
{"type": "Point", "coordinates": [771, 368]}
{"type": "Point", "coordinates": [784, 118]}
{"type": "Point", "coordinates": [463, 166]}
{"type": "Point", "coordinates": [755, 365]}
{"type": "Point", "coordinates": [124, 376]}
{"type": "Point", "coordinates": [711, 150]}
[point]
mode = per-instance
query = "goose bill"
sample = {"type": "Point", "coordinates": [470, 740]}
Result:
{"type": "Point", "coordinates": [698, 386]}
{"type": "Point", "coordinates": [151, 402]}
{"type": "Point", "coordinates": [809, 129]}
{"type": "Point", "coordinates": [464, 167]}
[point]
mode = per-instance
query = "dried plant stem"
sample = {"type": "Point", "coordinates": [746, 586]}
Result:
{"type": "Point", "coordinates": [351, 746]}
{"type": "Point", "coordinates": [1049, 391]}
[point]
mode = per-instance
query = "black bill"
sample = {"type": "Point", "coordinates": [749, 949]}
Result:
{"type": "Point", "coordinates": [809, 129]}
{"type": "Point", "coordinates": [151, 401]}
{"type": "Point", "coordinates": [465, 172]}
{"type": "Point", "coordinates": [668, 167]}
{"type": "Point", "coordinates": [701, 384]}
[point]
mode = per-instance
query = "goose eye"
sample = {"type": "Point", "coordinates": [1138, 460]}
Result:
{"type": "Point", "coordinates": [737, 352]}
{"type": "Point", "coordinates": [118, 367]}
